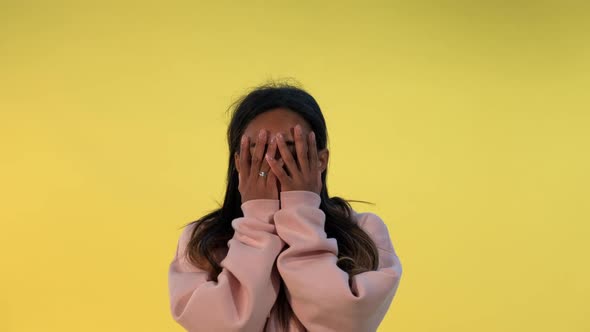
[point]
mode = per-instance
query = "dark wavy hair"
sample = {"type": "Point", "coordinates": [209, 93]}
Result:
{"type": "Point", "coordinates": [356, 250]}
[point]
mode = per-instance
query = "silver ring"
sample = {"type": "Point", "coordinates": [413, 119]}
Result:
{"type": "Point", "coordinates": [262, 173]}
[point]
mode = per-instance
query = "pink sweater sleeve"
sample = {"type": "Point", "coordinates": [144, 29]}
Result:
{"type": "Point", "coordinates": [248, 285]}
{"type": "Point", "coordinates": [318, 290]}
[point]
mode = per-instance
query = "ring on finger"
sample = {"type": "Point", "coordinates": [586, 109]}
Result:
{"type": "Point", "coordinates": [264, 171]}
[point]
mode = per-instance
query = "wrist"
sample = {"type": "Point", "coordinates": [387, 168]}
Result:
{"type": "Point", "coordinates": [262, 208]}
{"type": "Point", "coordinates": [295, 198]}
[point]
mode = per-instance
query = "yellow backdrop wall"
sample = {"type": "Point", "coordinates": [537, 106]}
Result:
{"type": "Point", "coordinates": [466, 122]}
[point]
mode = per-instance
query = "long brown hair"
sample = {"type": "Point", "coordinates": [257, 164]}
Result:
{"type": "Point", "coordinates": [356, 250]}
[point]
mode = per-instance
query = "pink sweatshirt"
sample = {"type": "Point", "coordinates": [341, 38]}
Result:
{"type": "Point", "coordinates": [318, 290]}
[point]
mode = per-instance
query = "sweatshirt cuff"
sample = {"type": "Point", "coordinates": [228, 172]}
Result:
{"type": "Point", "coordinates": [262, 209]}
{"type": "Point", "coordinates": [294, 198]}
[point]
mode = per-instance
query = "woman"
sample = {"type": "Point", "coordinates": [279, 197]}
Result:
{"type": "Point", "coordinates": [281, 254]}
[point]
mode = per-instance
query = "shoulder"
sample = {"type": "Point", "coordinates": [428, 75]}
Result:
{"type": "Point", "coordinates": [378, 230]}
{"type": "Point", "coordinates": [184, 238]}
{"type": "Point", "coordinates": [181, 259]}
{"type": "Point", "coordinates": [376, 227]}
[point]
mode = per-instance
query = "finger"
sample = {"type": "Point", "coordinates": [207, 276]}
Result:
{"type": "Point", "coordinates": [271, 178]}
{"type": "Point", "coordinates": [313, 152]}
{"type": "Point", "coordinates": [301, 147]}
{"type": "Point", "coordinates": [276, 166]}
{"type": "Point", "coordinates": [281, 164]}
{"type": "Point", "coordinates": [272, 148]}
{"type": "Point", "coordinates": [270, 152]}
{"type": "Point", "coordinates": [273, 183]}
{"type": "Point", "coordinates": [264, 167]}
{"type": "Point", "coordinates": [272, 174]}
{"type": "Point", "coordinates": [244, 155]}
{"type": "Point", "coordinates": [258, 152]}
{"type": "Point", "coordinates": [286, 155]}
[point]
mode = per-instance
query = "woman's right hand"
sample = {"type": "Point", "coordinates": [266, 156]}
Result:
{"type": "Point", "coordinates": [251, 184]}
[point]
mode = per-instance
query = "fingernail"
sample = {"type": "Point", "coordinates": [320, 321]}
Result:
{"type": "Point", "coordinates": [298, 129]}
{"type": "Point", "coordinates": [262, 133]}
{"type": "Point", "coordinates": [268, 157]}
{"type": "Point", "coordinates": [312, 135]}
{"type": "Point", "coordinates": [272, 140]}
{"type": "Point", "coordinates": [243, 138]}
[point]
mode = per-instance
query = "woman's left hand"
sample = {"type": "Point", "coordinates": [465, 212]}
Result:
{"type": "Point", "coordinates": [306, 177]}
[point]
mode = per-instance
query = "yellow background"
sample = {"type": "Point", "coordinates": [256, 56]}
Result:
{"type": "Point", "coordinates": [466, 122]}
